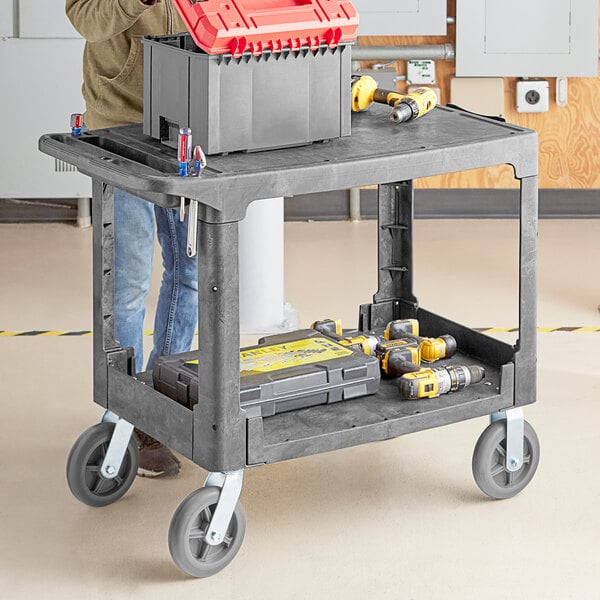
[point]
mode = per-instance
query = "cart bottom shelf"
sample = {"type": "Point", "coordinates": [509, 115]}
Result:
{"type": "Point", "coordinates": [378, 417]}
{"type": "Point", "coordinates": [315, 429]}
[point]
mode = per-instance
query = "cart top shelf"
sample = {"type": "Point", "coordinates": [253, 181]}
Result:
{"type": "Point", "coordinates": [378, 151]}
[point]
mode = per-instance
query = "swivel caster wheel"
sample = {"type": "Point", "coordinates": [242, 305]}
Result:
{"type": "Point", "coordinates": [187, 534]}
{"type": "Point", "coordinates": [86, 482]}
{"type": "Point", "coordinates": [489, 462]}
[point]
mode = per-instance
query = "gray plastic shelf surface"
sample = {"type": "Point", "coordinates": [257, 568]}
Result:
{"type": "Point", "coordinates": [381, 416]}
{"type": "Point", "coordinates": [378, 151]}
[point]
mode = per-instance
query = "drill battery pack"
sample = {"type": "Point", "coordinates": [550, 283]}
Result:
{"type": "Point", "coordinates": [281, 373]}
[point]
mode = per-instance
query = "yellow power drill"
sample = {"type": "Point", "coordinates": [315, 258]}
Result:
{"type": "Point", "coordinates": [406, 107]}
{"type": "Point", "coordinates": [332, 328]}
{"type": "Point", "coordinates": [432, 349]}
{"type": "Point", "coordinates": [399, 356]}
{"type": "Point", "coordinates": [432, 382]}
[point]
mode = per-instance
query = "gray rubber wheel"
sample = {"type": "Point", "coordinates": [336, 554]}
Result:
{"type": "Point", "coordinates": [188, 530]}
{"type": "Point", "coordinates": [84, 462]}
{"type": "Point", "coordinates": [489, 469]}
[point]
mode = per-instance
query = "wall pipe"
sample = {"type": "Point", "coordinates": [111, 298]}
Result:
{"type": "Point", "coordinates": [354, 204]}
{"type": "Point", "coordinates": [424, 52]}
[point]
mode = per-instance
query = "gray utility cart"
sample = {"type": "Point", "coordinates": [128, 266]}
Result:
{"type": "Point", "coordinates": [208, 528]}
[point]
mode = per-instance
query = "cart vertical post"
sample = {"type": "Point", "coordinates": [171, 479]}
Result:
{"type": "Point", "coordinates": [394, 297]}
{"type": "Point", "coordinates": [526, 356]}
{"type": "Point", "coordinates": [219, 442]}
{"type": "Point", "coordinates": [104, 285]}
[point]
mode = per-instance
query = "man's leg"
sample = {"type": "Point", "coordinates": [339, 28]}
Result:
{"type": "Point", "coordinates": [177, 310]}
{"type": "Point", "coordinates": [134, 248]}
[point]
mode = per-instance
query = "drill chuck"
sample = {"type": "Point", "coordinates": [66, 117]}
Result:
{"type": "Point", "coordinates": [414, 105]}
{"type": "Point", "coordinates": [430, 383]}
{"type": "Point", "coordinates": [406, 110]}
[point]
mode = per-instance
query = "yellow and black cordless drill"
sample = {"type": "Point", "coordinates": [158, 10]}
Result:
{"type": "Point", "coordinates": [434, 381]}
{"type": "Point", "coordinates": [364, 342]}
{"type": "Point", "coordinates": [400, 356]}
{"type": "Point", "coordinates": [432, 349]}
{"type": "Point", "coordinates": [405, 107]}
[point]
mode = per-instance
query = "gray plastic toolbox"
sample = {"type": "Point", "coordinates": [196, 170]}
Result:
{"type": "Point", "coordinates": [281, 373]}
{"type": "Point", "coordinates": [273, 100]}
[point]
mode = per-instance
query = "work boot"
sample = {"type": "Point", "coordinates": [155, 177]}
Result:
{"type": "Point", "coordinates": [156, 460]}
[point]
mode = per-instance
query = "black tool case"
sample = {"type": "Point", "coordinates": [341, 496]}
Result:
{"type": "Point", "coordinates": [282, 373]}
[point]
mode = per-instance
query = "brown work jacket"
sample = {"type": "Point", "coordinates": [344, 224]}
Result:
{"type": "Point", "coordinates": [113, 66]}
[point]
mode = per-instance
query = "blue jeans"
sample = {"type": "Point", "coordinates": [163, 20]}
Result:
{"type": "Point", "coordinates": [177, 308]}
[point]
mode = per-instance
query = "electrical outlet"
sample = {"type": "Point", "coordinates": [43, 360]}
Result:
{"type": "Point", "coordinates": [532, 96]}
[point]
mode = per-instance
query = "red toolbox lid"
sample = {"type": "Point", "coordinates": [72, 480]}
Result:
{"type": "Point", "coordinates": [238, 26]}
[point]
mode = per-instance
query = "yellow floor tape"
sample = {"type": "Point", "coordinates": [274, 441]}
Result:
{"type": "Point", "coordinates": [148, 332]}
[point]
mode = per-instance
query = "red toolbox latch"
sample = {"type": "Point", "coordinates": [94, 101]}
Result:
{"type": "Point", "coordinates": [238, 26]}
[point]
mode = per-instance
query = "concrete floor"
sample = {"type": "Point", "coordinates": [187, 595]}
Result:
{"type": "Point", "coordinates": [396, 519]}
